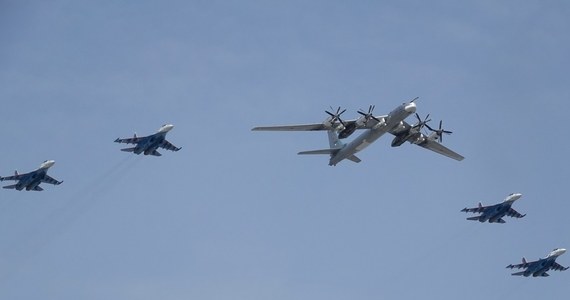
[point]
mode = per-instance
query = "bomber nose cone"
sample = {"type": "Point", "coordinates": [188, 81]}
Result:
{"type": "Point", "coordinates": [410, 107]}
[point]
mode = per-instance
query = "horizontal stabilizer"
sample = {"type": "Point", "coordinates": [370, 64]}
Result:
{"type": "Point", "coordinates": [128, 149]}
{"type": "Point", "coordinates": [322, 151]}
{"type": "Point", "coordinates": [10, 186]}
{"type": "Point", "coordinates": [354, 158]}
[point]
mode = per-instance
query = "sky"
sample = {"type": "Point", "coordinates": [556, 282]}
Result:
{"type": "Point", "coordinates": [238, 214]}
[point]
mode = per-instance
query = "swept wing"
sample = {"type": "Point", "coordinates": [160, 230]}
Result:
{"type": "Point", "coordinates": [133, 140]}
{"type": "Point", "coordinates": [50, 180]}
{"type": "Point", "coordinates": [168, 146]}
{"type": "Point", "coordinates": [513, 213]}
{"type": "Point", "coordinates": [319, 126]}
{"type": "Point", "coordinates": [478, 209]}
{"type": "Point", "coordinates": [557, 267]}
{"type": "Point", "coordinates": [441, 149]}
{"type": "Point", "coordinates": [524, 265]}
{"type": "Point", "coordinates": [13, 177]}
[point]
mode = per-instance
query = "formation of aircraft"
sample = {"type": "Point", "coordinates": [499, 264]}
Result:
{"type": "Point", "coordinates": [337, 129]}
{"type": "Point", "coordinates": [373, 128]}
{"type": "Point", "coordinates": [540, 267]}
{"type": "Point", "coordinates": [148, 144]}
{"type": "Point", "coordinates": [495, 213]}
{"type": "Point", "coordinates": [31, 181]}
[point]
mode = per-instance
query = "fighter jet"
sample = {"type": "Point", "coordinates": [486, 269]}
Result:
{"type": "Point", "coordinates": [495, 213]}
{"type": "Point", "coordinates": [541, 266]}
{"type": "Point", "coordinates": [31, 181]}
{"type": "Point", "coordinates": [149, 144]}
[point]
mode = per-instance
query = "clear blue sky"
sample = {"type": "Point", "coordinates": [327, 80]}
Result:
{"type": "Point", "coordinates": [237, 214]}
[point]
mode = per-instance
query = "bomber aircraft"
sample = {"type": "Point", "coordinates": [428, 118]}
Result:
{"type": "Point", "coordinates": [495, 213]}
{"type": "Point", "coordinates": [374, 127]}
{"type": "Point", "coordinates": [541, 266]}
{"type": "Point", "coordinates": [31, 181]}
{"type": "Point", "coordinates": [149, 144]}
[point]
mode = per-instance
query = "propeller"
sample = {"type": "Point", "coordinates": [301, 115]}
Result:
{"type": "Point", "coordinates": [369, 115]}
{"type": "Point", "coordinates": [336, 116]}
{"type": "Point", "coordinates": [421, 123]}
{"type": "Point", "coordinates": [439, 131]}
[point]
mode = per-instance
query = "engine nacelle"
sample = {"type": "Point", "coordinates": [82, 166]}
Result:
{"type": "Point", "coordinates": [347, 131]}
{"type": "Point", "coordinates": [398, 140]}
{"type": "Point", "coordinates": [379, 125]}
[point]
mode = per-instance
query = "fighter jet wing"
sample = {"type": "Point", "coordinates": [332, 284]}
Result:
{"type": "Point", "coordinates": [558, 267]}
{"type": "Point", "coordinates": [168, 146]}
{"type": "Point", "coordinates": [478, 209]}
{"type": "Point", "coordinates": [133, 140]}
{"type": "Point", "coordinates": [50, 180]}
{"type": "Point", "coordinates": [513, 213]}
{"type": "Point", "coordinates": [13, 177]}
{"type": "Point", "coordinates": [441, 149]}
{"type": "Point", "coordinates": [521, 266]}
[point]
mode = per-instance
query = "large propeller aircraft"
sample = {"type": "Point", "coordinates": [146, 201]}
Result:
{"type": "Point", "coordinates": [374, 127]}
{"type": "Point", "coordinates": [31, 181]}
{"type": "Point", "coordinates": [148, 144]}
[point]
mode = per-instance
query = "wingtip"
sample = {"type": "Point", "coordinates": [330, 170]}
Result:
{"type": "Point", "coordinates": [117, 140]}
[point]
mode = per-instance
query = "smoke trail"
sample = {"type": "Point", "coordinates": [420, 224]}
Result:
{"type": "Point", "coordinates": [61, 218]}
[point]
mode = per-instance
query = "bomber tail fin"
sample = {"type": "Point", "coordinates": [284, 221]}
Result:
{"type": "Point", "coordinates": [334, 141]}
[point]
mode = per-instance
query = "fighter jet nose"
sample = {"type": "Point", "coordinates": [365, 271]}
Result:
{"type": "Point", "coordinates": [562, 251]}
{"type": "Point", "coordinates": [48, 164]}
{"type": "Point", "coordinates": [166, 128]}
{"type": "Point", "coordinates": [410, 107]}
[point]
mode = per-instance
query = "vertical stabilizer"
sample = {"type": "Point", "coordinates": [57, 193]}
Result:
{"type": "Point", "coordinates": [334, 141]}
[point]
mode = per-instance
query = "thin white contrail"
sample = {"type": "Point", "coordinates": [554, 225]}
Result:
{"type": "Point", "coordinates": [62, 217]}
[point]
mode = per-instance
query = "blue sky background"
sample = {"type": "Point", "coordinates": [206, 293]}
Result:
{"type": "Point", "coordinates": [237, 214]}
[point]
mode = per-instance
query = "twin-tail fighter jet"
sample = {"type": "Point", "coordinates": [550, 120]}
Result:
{"type": "Point", "coordinates": [495, 213]}
{"type": "Point", "coordinates": [540, 267]}
{"type": "Point", "coordinates": [374, 127]}
{"type": "Point", "coordinates": [149, 144]}
{"type": "Point", "coordinates": [31, 181]}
